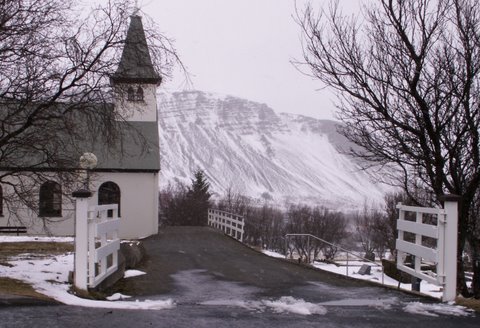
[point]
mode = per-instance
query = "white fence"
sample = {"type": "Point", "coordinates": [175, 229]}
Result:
{"type": "Point", "coordinates": [431, 239]}
{"type": "Point", "coordinates": [231, 224]}
{"type": "Point", "coordinates": [103, 243]}
{"type": "Point", "coordinates": [96, 242]}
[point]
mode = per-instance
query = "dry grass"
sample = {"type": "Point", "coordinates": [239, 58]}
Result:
{"type": "Point", "coordinates": [36, 249]}
{"type": "Point", "coordinates": [471, 303]}
{"type": "Point", "coordinates": [16, 287]}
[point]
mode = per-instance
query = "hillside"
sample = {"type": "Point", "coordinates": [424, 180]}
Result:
{"type": "Point", "coordinates": [248, 147]}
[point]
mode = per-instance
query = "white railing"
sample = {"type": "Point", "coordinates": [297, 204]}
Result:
{"type": "Point", "coordinates": [96, 241]}
{"type": "Point", "coordinates": [103, 243]}
{"type": "Point", "coordinates": [231, 224]}
{"type": "Point", "coordinates": [443, 229]}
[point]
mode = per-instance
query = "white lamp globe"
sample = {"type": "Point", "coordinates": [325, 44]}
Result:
{"type": "Point", "coordinates": [88, 161]}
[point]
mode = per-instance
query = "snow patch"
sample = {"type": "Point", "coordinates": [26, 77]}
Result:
{"type": "Point", "coordinates": [118, 296]}
{"type": "Point", "coordinates": [273, 254]}
{"type": "Point", "coordinates": [19, 239]}
{"type": "Point", "coordinates": [297, 306]}
{"type": "Point", "coordinates": [434, 310]}
{"type": "Point", "coordinates": [285, 304]}
{"type": "Point", "coordinates": [384, 304]}
{"type": "Point", "coordinates": [133, 273]}
{"type": "Point", "coordinates": [50, 277]}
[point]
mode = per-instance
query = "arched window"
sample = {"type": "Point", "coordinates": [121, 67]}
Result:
{"type": "Point", "coordinates": [139, 95]}
{"type": "Point", "coordinates": [50, 199]}
{"type": "Point", "coordinates": [130, 94]}
{"type": "Point", "coordinates": [109, 193]}
{"type": "Point", "coordinates": [1, 201]}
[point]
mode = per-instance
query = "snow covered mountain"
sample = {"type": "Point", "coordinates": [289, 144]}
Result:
{"type": "Point", "coordinates": [246, 146]}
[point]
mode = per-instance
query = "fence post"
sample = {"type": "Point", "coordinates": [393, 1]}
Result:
{"type": "Point", "coordinates": [286, 246]}
{"type": "Point", "coordinates": [450, 250]}
{"type": "Point", "coordinates": [81, 238]}
{"type": "Point", "coordinates": [308, 249]}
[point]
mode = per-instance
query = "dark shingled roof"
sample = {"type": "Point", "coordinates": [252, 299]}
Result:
{"type": "Point", "coordinates": [137, 149]}
{"type": "Point", "coordinates": [134, 148]}
{"type": "Point", "coordinates": [136, 65]}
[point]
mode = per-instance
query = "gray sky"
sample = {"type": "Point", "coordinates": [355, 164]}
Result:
{"type": "Point", "coordinates": [242, 48]}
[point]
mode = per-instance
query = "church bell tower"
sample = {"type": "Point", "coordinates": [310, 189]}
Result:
{"type": "Point", "coordinates": [135, 81]}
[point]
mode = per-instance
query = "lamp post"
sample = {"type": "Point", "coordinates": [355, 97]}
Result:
{"type": "Point", "coordinates": [87, 162]}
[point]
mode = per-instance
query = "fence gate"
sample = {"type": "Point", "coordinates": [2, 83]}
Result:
{"type": "Point", "coordinates": [96, 243]}
{"type": "Point", "coordinates": [231, 224]}
{"type": "Point", "coordinates": [430, 236]}
{"type": "Point", "coordinates": [103, 243]}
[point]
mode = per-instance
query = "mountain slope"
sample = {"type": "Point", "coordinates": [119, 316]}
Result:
{"type": "Point", "coordinates": [248, 147]}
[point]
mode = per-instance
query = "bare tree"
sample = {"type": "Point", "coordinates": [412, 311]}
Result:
{"type": "Point", "coordinates": [234, 202]}
{"type": "Point", "coordinates": [298, 218]}
{"type": "Point", "coordinates": [321, 222]}
{"type": "Point", "coordinates": [386, 227]}
{"type": "Point", "coordinates": [366, 223]}
{"type": "Point", "coordinates": [407, 76]}
{"type": "Point", "coordinates": [55, 93]}
{"type": "Point", "coordinates": [173, 204]}
{"type": "Point", "coordinates": [264, 227]}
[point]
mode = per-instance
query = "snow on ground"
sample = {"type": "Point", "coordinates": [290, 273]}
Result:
{"type": "Point", "coordinates": [18, 239]}
{"type": "Point", "coordinates": [118, 296]}
{"type": "Point", "coordinates": [273, 254]}
{"type": "Point", "coordinates": [49, 276]}
{"type": "Point", "coordinates": [285, 304]}
{"type": "Point", "coordinates": [376, 276]}
{"type": "Point", "coordinates": [133, 273]}
{"type": "Point", "coordinates": [433, 310]}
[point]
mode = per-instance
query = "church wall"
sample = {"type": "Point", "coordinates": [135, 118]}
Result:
{"type": "Point", "coordinates": [139, 207]}
{"type": "Point", "coordinates": [139, 201]}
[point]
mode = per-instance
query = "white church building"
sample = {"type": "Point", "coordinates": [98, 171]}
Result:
{"type": "Point", "coordinates": [128, 177]}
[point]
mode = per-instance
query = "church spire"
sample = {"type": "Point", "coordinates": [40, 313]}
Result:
{"type": "Point", "coordinates": [136, 65]}
{"type": "Point", "coordinates": [136, 9]}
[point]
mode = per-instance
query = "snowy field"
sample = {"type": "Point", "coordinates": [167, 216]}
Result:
{"type": "Point", "coordinates": [49, 276]}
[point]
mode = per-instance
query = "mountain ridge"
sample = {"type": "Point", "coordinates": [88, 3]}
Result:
{"type": "Point", "coordinates": [246, 146]}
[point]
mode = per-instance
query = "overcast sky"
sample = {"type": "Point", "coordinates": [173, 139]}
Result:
{"type": "Point", "coordinates": [242, 48]}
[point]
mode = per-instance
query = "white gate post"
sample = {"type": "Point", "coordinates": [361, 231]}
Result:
{"type": "Point", "coordinates": [450, 246]}
{"type": "Point", "coordinates": [81, 238]}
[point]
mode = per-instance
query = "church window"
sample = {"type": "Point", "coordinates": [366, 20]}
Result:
{"type": "Point", "coordinates": [50, 204]}
{"type": "Point", "coordinates": [130, 94]}
{"type": "Point", "coordinates": [109, 193]}
{"type": "Point", "coordinates": [139, 95]}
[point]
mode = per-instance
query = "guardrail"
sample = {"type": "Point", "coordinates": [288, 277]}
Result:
{"type": "Point", "coordinates": [348, 252]}
{"type": "Point", "coordinates": [231, 224]}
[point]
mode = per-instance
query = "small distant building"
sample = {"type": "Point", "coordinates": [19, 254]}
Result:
{"type": "Point", "coordinates": [127, 172]}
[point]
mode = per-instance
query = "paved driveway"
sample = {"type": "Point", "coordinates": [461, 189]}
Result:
{"type": "Point", "coordinates": [216, 281]}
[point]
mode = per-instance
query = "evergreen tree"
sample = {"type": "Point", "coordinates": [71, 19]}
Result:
{"type": "Point", "coordinates": [198, 200]}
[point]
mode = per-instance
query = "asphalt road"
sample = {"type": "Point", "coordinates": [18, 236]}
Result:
{"type": "Point", "coordinates": [216, 281]}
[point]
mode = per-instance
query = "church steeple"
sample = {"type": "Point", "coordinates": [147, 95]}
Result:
{"type": "Point", "coordinates": [135, 81]}
{"type": "Point", "coordinates": [136, 65]}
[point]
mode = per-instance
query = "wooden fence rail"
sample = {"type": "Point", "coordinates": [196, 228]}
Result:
{"type": "Point", "coordinates": [231, 224]}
